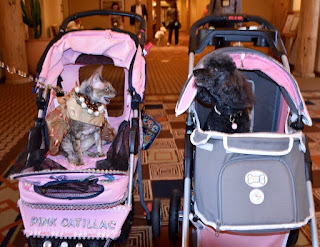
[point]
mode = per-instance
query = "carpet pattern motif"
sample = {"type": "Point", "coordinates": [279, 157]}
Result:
{"type": "Point", "coordinates": [162, 164]}
{"type": "Point", "coordinates": [162, 167]}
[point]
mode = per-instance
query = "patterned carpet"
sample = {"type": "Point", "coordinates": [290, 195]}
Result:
{"type": "Point", "coordinates": [162, 169]}
{"type": "Point", "coordinates": [162, 164]}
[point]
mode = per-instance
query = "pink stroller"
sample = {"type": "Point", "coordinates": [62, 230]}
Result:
{"type": "Point", "coordinates": [245, 189]}
{"type": "Point", "coordinates": [85, 205]}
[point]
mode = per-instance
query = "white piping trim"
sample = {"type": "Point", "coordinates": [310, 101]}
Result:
{"type": "Point", "coordinates": [279, 227]}
{"type": "Point", "coordinates": [257, 151]}
{"type": "Point", "coordinates": [219, 135]}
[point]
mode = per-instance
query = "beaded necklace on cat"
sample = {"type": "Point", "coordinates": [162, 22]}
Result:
{"type": "Point", "coordinates": [85, 102]}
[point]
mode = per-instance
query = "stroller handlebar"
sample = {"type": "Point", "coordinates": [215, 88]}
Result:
{"type": "Point", "coordinates": [266, 35]}
{"type": "Point", "coordinates": [105, 12]}
{"type": "Point", "coordinates": [230, 19]}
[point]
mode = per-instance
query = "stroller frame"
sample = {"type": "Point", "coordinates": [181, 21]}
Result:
{"type": "Point", "coordinates": [199, 39]}
{"type": "Point", "coordinates": [37, 144]}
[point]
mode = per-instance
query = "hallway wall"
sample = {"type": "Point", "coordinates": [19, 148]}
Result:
{"type": "Point", "coordinates": [98, 21]}
{"type": "Point", "coordinates": [249, 7]}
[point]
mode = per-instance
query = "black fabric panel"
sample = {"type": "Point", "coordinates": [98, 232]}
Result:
{"type": "Point", "coordinates": [266, 103]}
{"type": "Point", "coordinates": [202, 112]}
{"type": "Point", "coordinates": [93, 59]}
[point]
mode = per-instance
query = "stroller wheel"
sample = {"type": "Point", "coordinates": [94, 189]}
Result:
{"type": "Point", "coordinates": [156, 217]}
{"type": "Point", "coordinates": [59, 242]}
{"type": "Point", "coordinates": [293, 238]}
{"type": "Point", "coordinates": [174, 216]}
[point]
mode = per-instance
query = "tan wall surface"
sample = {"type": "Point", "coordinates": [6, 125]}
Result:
{"type": "Point", "coordinates": [249, 7]}
{"type": "Point", "coordinates": [53, 15]}
{"type": "Point", "coordinates": [258, 8]}
{"type": "Point", "coordinates": [99, 21]}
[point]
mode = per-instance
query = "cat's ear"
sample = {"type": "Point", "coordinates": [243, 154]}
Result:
{"type": "Point", "coordinates": [99, 70]}
{"type": "Point", "coordinates": [96, 77]}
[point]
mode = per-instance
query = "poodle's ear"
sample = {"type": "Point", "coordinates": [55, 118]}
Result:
{"type": "Point", "coordinates": [236, 92]}
{"type": "Point", "coordinates": [202, 76]}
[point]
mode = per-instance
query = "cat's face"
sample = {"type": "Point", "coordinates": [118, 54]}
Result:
{"type": "Point", "coordinates": [98, 89]}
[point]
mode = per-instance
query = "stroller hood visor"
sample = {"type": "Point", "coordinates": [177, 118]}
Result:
{"type": "Point", "coordinates": [119, 47]}
{"type": "Point", "coordinates": [246, 59]}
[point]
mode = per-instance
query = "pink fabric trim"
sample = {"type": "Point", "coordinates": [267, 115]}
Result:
{"type": "Point", "coordinates": [208, 237]}
{"type": "Point", "coordinates": [118, 46]}
{"type": "Point", "coordinates": [187, 97]}
{"type": "Point", "coordinates": [138, 77]}
{"type": "Point", "coordinates": [252, 62]}
{"type": "Point", "coordinates": [103, 223]}
{"type": "Point", "coordinates": [275, 72]}
{"type": "Point", "coordinates": [283, 109]}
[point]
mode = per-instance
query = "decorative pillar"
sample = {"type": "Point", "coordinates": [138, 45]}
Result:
{"type": "Point", "coordinates": [304, 63]}
{"type": "Point", "coordinates": [12, 39]}
{"type": "Point", "coordinates": [279, 10]}
{"type": "Point", "coordinates": [317, 63]}
{"type": "Point", "coordinates": [158, 15]}
{"type": "Point", "coordinates": [188, 2]}
{"type": "Point", "coordinates": [149, 21]}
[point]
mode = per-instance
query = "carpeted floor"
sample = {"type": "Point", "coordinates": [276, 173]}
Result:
{"type": "Point", "coordinates": [162, 164]}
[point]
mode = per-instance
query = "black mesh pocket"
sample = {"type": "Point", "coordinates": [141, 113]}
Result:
{"type": "Point", "coordinates": [70, 189]}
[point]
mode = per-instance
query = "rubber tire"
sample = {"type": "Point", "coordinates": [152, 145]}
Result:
{"type": "Point", "coordinates": [156, 218]}
{"type": "Point", "coordinates": [38, 242]}
{"type": "Point", "coordinates": [293, 238]}
{"type": "Point", "coordinates": [174, 226]}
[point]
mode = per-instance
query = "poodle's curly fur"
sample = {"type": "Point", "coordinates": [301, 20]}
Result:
{"type": "Point", "coordinates": [220, 84]}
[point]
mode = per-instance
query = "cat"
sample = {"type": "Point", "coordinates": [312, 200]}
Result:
{"type": "Point", "coordinates": [81, 135]}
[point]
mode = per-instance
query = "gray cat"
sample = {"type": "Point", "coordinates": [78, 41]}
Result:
{"type": "Point", "coordinates": [82, 136]}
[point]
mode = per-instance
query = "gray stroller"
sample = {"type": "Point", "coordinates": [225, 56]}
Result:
{"type": "Point", "coordinates": [245, 189]}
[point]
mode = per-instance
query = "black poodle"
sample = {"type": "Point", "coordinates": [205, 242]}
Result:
{"type": "Point", "coordinates": [223, 86]}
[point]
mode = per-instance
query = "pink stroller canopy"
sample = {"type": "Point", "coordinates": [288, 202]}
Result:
{"type": "Point", "coordinates": [247, 59]}
{"type": "Point", "coordinates": [120, 47]}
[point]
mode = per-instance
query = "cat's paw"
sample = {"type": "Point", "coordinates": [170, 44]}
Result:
{"type": "Point", "coordinates": [73, 162]}
{"type": "Point", "coordinates": [78, 164]}
{"type": "Point", "coordinates": [95, 155]}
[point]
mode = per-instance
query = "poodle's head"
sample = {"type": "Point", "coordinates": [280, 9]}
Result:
{"type": "Point", "coordinates": [224, 82]}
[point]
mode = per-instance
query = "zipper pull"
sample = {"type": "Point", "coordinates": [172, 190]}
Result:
{"type": "Point", "coordinates": [218, 228]}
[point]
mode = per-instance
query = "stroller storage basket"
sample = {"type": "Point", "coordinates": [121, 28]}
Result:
{"type": "Point", "coordinates": [69, 188]}
{"type": "Point", "coordinates": [73, 204]}
{"type": "Point", "coordinates": [241, 190]}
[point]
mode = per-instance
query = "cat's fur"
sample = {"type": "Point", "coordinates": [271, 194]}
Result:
{"type": "Point", "coordinates": [82, 136]}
